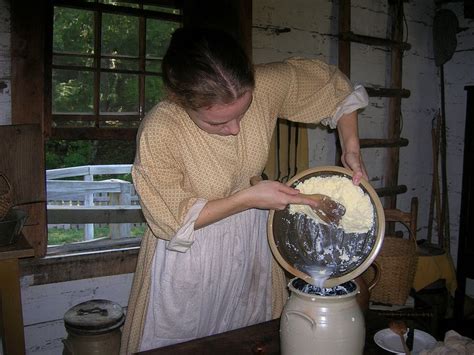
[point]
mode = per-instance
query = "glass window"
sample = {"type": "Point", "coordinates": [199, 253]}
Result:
{"type": "Point", "coordinates": [105, 75]}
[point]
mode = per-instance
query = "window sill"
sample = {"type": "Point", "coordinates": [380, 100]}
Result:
{"type": "Point", "coordinates": [82, 261]}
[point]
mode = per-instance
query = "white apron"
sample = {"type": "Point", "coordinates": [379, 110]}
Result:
{"type": "Point", "coordinates": [222, 282]}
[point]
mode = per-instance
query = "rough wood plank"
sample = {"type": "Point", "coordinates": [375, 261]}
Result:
{"type": "Point", "coordinates": [13, 338]}
{"type": "Point", "coordinates": [388, 92]}
{"type": "Point", "coordinates": [374, 41]}
{"type": "Point", "coordinates": [394, 107]}
{"type": "Point", "coordinates": [344, 59]}
{"type": "Point", "coordinates": [80, 265]}
{"type": "Point", "coordinates": [95, 214]}
{"type": "Point", "coordinates": [261, 338]}
{"type": "Point", "coordinates": [377, 143]}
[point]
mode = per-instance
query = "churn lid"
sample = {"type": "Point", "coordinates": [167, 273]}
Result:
{"type": "Point", "coordinates": [302, 245]}
{"type": "Point", "coordinates": [95, 316]}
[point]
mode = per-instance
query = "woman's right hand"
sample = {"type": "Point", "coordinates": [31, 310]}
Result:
{"type": "Point", "coordinates": [266, 194]}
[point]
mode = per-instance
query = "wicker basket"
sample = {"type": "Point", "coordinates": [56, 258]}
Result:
{"type": "Point", "coordinates": [397, 260]}
{"type": "Point", "coordinates": [6, 196]}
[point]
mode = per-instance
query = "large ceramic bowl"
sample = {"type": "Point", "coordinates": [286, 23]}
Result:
{"type": "Point", "coordinates": [293, 237]}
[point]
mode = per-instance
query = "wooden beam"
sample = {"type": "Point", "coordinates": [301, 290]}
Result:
{"type": "Point", "coordinates": [383, 143]}
{"type": "Point", "coordinates": [388, 92]}
{"type": "Point", "coordinates": [373, 41]}
{"type": "Point", "coordinates": [391, 191]}
{"type": "Point", "coordinates": [394, 110]}
{"type": "Point", "coordinates": [344, 58]}
{"type": "Point", "coordinates": [95, 214]}
{"type": "Point", "coordinates": [53, 269]}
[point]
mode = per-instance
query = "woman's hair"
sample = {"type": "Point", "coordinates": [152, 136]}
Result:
{"type": "Point", "coordinates": [203, 67]}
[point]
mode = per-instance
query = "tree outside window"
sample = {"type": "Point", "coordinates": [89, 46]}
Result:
{"type": "Point", "coordinates": [105, 70]}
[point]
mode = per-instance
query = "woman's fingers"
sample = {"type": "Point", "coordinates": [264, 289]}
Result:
{"type": "Point", "coordinates": [276, 195]}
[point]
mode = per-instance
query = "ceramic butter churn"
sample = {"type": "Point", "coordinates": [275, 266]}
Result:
{"type": "Point", "coordinates": [322, 315]}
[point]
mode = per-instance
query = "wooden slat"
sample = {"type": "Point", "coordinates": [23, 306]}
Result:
{"type": "Point", "coordinates": [88, 170]}
{"type": "Point", "coordinates": [80, 265]}
{"type": "Point", "coordinates": [373, 41]}
{"type": "Point", "coordinates": [391, 191]}
{"type": "Point", "coordinates": [344, 57]}
{"type": "Point", "coordinates": [13, 338]}
{"type": "Point", "coordinates": [394, 107]}
{"type": "Point", "coordinates": [388, 92]}
{"type": "Point", "coordinates": [95, 214]}
{"type": "Point", "coordinates": [383, 143]}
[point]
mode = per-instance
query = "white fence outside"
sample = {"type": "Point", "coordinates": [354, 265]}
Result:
{"type": "Point", "coordinates": [89, 202]}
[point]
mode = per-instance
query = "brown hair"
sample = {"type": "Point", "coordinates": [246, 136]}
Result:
{"type": "Point", "coordinates": [203, 67]}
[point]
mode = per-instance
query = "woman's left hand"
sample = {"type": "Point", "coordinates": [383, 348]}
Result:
{"type": "Point", "coordinates": [353, 161]}
{"type": "Point", "coordinates": [349, 138]}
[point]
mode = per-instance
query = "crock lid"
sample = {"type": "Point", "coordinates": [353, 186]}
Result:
{"type": "Point", "coordinates": [294, 238]}
{"type": "Point", "coordinates": [95, 316]}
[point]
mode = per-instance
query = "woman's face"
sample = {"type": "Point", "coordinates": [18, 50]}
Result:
{"type": "Point", "coordinates": [222, 119]}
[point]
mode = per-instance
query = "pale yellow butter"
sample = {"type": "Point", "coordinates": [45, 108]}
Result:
{"type": "Point", "coordinates": [359, 216]}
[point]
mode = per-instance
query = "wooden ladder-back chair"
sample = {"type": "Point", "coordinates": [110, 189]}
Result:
{"type": "Point", "coordinates": [409, 219]}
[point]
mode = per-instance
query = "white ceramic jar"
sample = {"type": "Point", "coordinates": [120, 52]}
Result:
{"type": "Point", "coordinates": [319, 325]}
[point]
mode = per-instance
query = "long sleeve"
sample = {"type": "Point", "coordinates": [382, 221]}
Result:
{"type": "Point", "coordinates": [158, 180]}
{"type": "Point", "coordinates": [302, 90]}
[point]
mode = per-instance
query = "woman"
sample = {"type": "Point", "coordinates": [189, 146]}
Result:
{"type": "Point", "coordinates": [204, 265]}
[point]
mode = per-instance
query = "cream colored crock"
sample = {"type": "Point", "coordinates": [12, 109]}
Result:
{"type": "Point", "coordinates": [321, 325]}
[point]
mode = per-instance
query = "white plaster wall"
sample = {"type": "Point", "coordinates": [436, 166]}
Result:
{"type": "Point", "coordinates": [5, 98]}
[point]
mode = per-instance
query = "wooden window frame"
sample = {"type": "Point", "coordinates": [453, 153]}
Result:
{"type": "Point", "coordinates": [98, 132]}
{"type": "Point", "coordinates": [31, 94]}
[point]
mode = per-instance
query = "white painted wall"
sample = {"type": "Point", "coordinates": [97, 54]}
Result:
{"type": "Point", "coordinates": [312, 27]}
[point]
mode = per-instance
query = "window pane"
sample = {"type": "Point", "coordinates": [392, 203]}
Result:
{"type": "Point", "coordinates": [73, 31]}
{"type": "Point", "coordinates": [119, 35]}
{"type": "Point", "coordinates": [153, 65]}
{"type": "Point", "coordinates": [158, 35]}
{"type": "Point", "coordinates": [154, 91]}
{"type": "Point", "coordinates": [72, 91]}
{"type": "Point", "coordinates": [118, 93]}
{"type": "Point", "coordinates": [70, 154]}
